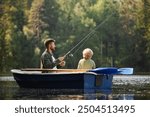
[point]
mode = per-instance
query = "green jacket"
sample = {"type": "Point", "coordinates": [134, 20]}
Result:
{"type": "Point", "coordinates": [47, 61]}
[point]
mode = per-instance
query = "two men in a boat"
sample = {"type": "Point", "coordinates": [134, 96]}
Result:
{"type": "Point", "coordinates": [47, 59]}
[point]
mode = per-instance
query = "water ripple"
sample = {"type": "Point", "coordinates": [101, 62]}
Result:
{"type": "Point", "coordinates": [131, 79]}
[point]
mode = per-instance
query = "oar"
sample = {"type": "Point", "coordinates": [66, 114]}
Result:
{"type": "Point", "coordinates": [112, 70]}
{"type": "Point", "coordinates": [105, 70]}
{"type": "Point", "coordinates": [125, 71]}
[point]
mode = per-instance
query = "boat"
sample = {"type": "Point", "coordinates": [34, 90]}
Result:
{"type": "Point", "coordinates": [99, 78]}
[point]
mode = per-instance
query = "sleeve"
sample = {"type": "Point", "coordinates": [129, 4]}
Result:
{"type": "Point", "coordinates": [94, 66]}
{"type": "Point", "coordinates": [79, 65]}
{"type": "Point", "coordinates": [48, 62]}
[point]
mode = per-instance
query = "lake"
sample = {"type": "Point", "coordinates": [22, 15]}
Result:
{"type": "Point", "coordinates": [132, 87]}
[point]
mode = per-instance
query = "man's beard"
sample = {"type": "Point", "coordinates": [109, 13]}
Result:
{"type": "Point", "coordinates": [53, 49]}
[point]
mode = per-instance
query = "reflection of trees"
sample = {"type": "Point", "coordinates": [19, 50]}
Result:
{"type": "Point", "coordinates": [7, 90]}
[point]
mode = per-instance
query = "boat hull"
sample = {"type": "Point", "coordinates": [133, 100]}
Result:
{"type": "Point", "coordinates": [85, 80]}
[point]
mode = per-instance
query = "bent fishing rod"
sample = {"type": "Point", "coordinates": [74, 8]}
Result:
{"type": "Point", "coordinates": [87, 36]}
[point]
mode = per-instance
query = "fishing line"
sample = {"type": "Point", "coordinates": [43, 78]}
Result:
{"type": "Point", "coordinates": [80, 47]}
{"type": "Point", "coordinates": [87, 36]}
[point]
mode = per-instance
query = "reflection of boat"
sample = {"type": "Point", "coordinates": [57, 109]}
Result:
{"type": "Point", "coordinates": [126, 97]}
{"type": "Point", "coordinates": [100, 78]}
{"type": "Point", "coordinates": [94, 94]}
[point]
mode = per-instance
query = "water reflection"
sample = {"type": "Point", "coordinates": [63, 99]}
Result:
{"type": "Point", "coordinates": [90, 94]}
{"type": "Point", "coordinates": [136, 88]}
{"type": "Point", "coordinates": [126, 97]}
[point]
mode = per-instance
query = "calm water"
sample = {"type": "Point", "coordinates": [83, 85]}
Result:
{"type": "Point", "coordinates": [134, 87]}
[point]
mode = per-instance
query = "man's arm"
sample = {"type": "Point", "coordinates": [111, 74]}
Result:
{"type": "Point", "coordinates": [48, 61]}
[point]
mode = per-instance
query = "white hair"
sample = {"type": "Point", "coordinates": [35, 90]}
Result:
{"type": "Point", "coordinates": [87, 50]}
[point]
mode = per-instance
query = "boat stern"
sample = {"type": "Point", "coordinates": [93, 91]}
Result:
{"type": "Point", "coordinates": [98, 81]}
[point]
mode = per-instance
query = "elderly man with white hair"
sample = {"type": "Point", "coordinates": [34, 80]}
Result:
{"type": "Point", "coordinates": [87, 62]}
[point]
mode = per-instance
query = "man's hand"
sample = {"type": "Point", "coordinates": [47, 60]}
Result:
{"type": "Point", "coordinates": [62, 63]}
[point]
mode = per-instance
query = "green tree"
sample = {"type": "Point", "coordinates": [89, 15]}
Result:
{"type": "Point", "coordinates": [6, 30]}
{"type": "Point", "coordinates": [137, 25]}
{"type": "Point", "coordinates": [121, 37]}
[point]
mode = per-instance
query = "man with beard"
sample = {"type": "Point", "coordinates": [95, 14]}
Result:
{"type": "Point", "coordinates": [48, 61]}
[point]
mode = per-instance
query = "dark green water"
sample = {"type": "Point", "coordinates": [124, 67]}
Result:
{"type": "Point", "coordinates": [133, 87]}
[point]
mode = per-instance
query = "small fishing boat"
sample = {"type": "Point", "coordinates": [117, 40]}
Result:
{"type": "Point", "coordinates": [100, 78]}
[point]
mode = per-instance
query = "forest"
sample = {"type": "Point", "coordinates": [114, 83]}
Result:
{"type": "Point", "coordinates": [120, 32]}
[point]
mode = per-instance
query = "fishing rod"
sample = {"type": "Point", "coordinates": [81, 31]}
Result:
{"type": "Point", "coordinates": [87, 36]}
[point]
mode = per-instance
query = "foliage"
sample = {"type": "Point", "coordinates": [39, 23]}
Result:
{"type": "Point", "coordinates": [120, 31]}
